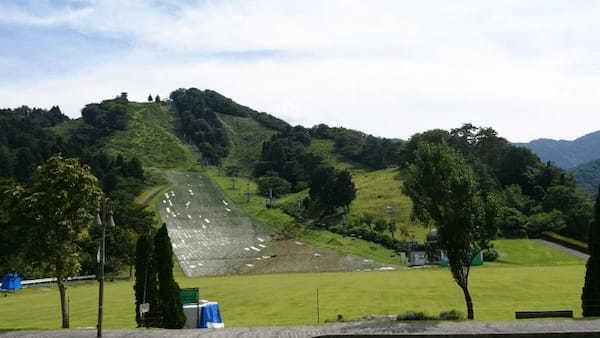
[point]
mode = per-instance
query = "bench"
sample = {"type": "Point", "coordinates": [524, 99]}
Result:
{"type": "Point", "coordinates": [544, 314]}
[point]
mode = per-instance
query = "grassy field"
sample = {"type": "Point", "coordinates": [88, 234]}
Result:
{"type": "Point", "coordinates": [279, 220]}
{"type": "Point", "coordinates": [150, 137]}
{"type": "Point", "coordinates": [290, 299]}
{"type": "Point", "coordinates": [246, 137]}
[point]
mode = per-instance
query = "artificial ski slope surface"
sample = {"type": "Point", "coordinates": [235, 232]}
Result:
{"type": "Point", "coordinates": [213, 236]}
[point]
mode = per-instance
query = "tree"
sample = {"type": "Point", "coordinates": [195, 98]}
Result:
{"type": "Point", "coordinates": [145, 287]}
{"type": "Point", "coordinates": [590, 297]}
{"type": "Point", "coordinates": [274, 185]}
{"type": "Point", "coordinates": [344, 189]}
{"type": "Point", "coordinates": [444, 189]}
{"type": "Point", "coordinates": [332, 188]}
{"type": "Point", "coordinates": [149, 98]}
{"type": "Point", "coordinates": [58, 207]}
{"type": "Point", "coordinates": [157, 99]}
{"type": "Point", "coordinates": [171, 309]}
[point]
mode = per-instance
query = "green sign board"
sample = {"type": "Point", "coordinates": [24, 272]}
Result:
{"type": "Point", "coordinates": [189, 295]}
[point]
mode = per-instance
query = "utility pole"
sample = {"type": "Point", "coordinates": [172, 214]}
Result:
{"type": "Point", "coordinates": [104, 218]}
{"type": "Point", "coordinates": [248, 192]}
{"type": "Point", "coordinates": [392, 212]}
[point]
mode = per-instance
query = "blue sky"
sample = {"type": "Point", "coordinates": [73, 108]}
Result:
{"type": "Point", "coordinates": [391, 68]}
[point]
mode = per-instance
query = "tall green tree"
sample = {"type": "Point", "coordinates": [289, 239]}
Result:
{"type": "Point", "coordinates": [171, 309]}
{"type": "Point", "coordinates": [444, 189]}
{"type": "Point", "coordinates": [146, 285]}
{"type": "Point", "coordinates": [590, 297]}
{"type": "Point", "coordinates": [57, 208]}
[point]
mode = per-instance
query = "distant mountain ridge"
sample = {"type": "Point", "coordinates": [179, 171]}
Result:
{"type": "Point", "coordinates": [567, 154]}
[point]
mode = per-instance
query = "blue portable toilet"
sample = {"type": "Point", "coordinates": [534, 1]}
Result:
{"type": "Point", "coordinates": [11, 281]}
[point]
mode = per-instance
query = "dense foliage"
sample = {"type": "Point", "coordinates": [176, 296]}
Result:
{"type": "Point", "coordinates": [533, 196]}
{"type": "Point", "coordinates": [146, 284]}
{"type": "Point", "coordinates": [590, 297]}
{"type": "Point", "coordinates": [200, 124]}
{"type": "Point", "coordinates": [171, 309]}
{"type": "Point", "coordinates": [57, 205]}
{"type": "Point", "coordinates": [29, 138]}
{"type": "Point", "coordinates": [286, 156]}
{"type": "Point", "coordinates": [370, 151]}
{"type": "Point", "coordinates": [587, 176]}
{"type": "Point", "coordinates": [445, 189]}
{"type": "Point", "coordinates": [26, 141]}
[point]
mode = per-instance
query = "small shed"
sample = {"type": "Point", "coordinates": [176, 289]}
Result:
{"type": "Point", "coordinates": [417, 258]}
{"type": "Point", "coordinates": [11, 281]}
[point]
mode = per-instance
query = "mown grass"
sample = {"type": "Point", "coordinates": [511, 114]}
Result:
{"type": "Point", "coordinates": [246, 137]}
{"type": "Point", "coordinates": [526, 252]}
{"type": "Point", "coordinates": [151, 138]}
{"type": "Point", "coordinates": [290, 299]}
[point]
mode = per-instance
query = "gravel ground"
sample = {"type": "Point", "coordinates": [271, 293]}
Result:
{"type": "Point", "coordinates": [564, 249]}
{"type": "Point", "coordinates": [366, 328]}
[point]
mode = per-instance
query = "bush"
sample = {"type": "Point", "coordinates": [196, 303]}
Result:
{"type": "Point", "coordinates": [279, 186]}
{"type": "Point", "coordinates": [414, 315]}
{"type": "Point", "coordinates": [452, 314]}
{"type": "Point", "coordinates": [490, 255]}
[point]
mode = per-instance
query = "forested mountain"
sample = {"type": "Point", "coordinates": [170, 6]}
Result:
{"type": "Point", "coordinates": [587, 176]}
{"type": "Point", "coordinates": [124, 141]}
{"type": "Point", "coordinates": [532, 196]}
{"type": "Point", "coordinates": [29, 137]}
{"type": "Point", "coordinates": [567, 154]}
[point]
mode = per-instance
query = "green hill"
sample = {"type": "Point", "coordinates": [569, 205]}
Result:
{"type": "Point", "coordinates": [150, 136]}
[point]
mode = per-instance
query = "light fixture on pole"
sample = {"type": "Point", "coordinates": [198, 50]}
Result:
{"type": "Point", "coordinates": [104, 218]}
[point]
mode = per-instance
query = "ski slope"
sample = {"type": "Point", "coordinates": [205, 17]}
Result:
{"type": "Point", "coordinates": [213, 236]}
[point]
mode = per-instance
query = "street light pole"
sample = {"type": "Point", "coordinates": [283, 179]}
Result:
{"type": "Point", "coordinates": [104, 218]}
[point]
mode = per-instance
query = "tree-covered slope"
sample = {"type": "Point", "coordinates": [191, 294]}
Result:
{"type": "Point", "coordinates": [587, 176]}
{"type": "Point", "coordinates": [567, 154]}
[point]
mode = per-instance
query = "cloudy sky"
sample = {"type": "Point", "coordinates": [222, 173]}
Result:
{"type": "Point", "coordinates": [529, 69]}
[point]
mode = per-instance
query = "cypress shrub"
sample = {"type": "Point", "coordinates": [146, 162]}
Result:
{"type": "Point", "coordinates": [590, 297]}
{"type": "Point", "coordinates": [171, 309]}
{"type": "Point", "coordinates": [145, 286]}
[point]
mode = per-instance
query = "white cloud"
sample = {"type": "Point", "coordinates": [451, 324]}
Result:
{"type": "Point", "coordinates": [390, 68]}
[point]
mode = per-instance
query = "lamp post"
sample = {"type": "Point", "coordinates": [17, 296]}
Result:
{"type": "Point", "coordinates": [104, 218]}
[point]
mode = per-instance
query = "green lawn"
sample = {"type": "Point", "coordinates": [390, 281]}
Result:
{"type": "Point", "coordinates": [523, 252]}
{"type": "Point", "coordinates": [290, 299]}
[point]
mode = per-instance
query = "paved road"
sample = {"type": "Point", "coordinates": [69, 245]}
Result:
{"type": "Point", "coordinates": [564, 249]}
{"type": "Point", "coordinates": [365, 328]}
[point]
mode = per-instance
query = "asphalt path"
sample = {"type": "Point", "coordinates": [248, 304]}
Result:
{"type": "Point", "coordinates": [564, 249]}
{"type": "Point", "coordinates": [556, 327]}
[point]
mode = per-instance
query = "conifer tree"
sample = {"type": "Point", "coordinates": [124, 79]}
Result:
{"type": "Point", "coordinates": [171, 309]}
{"type": "Point", "coordinates": [590, 297]}
{"type": "Point", "coordinates": [145, 286]}
{"type": "Point", "coordinates": [149, 98]}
